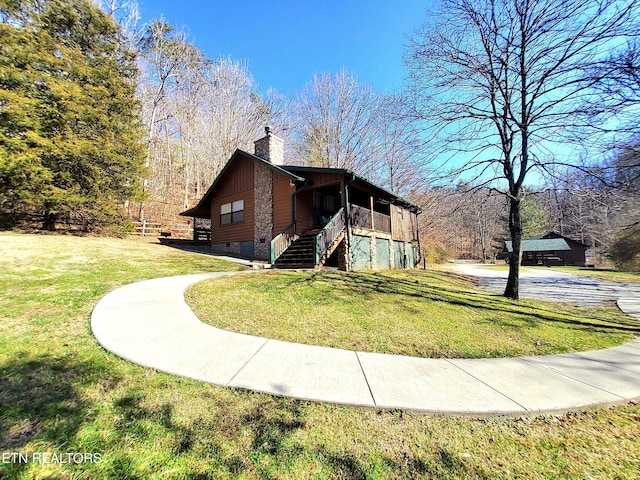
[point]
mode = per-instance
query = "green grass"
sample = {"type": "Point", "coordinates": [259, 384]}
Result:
{"type": "Point", "coordinates": [419, 313]}
{"type": "Point", "coordinates": [61, 393]}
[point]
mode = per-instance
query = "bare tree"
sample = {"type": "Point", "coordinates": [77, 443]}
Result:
{"type": "Point", "coordinates": [197, 111]}
{"type": "Point", "coordinates": [502, 80]}
{"type": "Point", "coordinates": [283, 121]}
{"type": "Point", "coordinates": [463, 221]}
{"type": "Point", "coordinates": [488, 210]}
{"type": "Point", "coordinates": [335, 122]}
{"type": "Point", "coordinates": [234, 111]}
{"type": "Point", "coordinates": [619, 88]}
{"type": "Point", "coordinates": [126, 14]}
{"type": "Point", "coordinates": [163, 51]}
{"type": "Point", "coordinates": [395, 157]}
{"type": "Point", "coordinates": [441, 231]}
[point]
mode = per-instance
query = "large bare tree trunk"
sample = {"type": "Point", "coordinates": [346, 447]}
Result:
{"type": "Point", "coordinates": [512, 289]}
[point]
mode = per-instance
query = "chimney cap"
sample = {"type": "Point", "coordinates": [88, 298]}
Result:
{"type": "Point", "coordinates": [270, 148]}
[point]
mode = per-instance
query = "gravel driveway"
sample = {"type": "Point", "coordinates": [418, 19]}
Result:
{"type": "Point", "coordinates": [548, 284]}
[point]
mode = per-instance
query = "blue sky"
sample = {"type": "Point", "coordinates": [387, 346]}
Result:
{"type": "Point", "coordinates": [286, 42]}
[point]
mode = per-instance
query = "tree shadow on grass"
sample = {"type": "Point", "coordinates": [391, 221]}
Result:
{"type": "Point", "coordinates": [257, 436]}
{"type": "Point", "coordinates": [33, 391]}
{"type": "Point", "coordinates": [427, 287]}
{"type": "Point", "coordinates": [43, 410]}
{"type": "Point", "coordinates": [239, 433]}
{"type": "Point", "coordinates": [442, 463]}
{"type": "Point", "coordinates": [259, 427]}
{"type": "Point", "coordinates": [40, 400]}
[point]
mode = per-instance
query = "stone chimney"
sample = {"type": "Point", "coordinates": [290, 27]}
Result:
{"type": "Point", "coordinates": [270, 148]}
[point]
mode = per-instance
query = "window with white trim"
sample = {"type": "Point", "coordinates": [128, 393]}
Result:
{"type": "Point", "coordinates": [232, 212]}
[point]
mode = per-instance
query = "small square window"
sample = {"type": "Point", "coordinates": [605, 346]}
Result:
{"type": "Point", "coordinates": [232, 212]}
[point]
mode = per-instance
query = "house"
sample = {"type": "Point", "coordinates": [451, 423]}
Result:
{"type": "Point", "coordinates": [295, 216]}
{"type": "Point", "coordinates": [551, 249]}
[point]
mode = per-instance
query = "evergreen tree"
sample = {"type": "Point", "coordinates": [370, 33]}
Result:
{"type": "Point", "coordinates": [69, 129]}
{"type": "Point", "coordinates": [535, 220]}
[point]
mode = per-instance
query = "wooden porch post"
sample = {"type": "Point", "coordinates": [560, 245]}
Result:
{"type": "Point", "coordinates": [373, 224]}
{"type": "Point", "coordinates": [347, 213]}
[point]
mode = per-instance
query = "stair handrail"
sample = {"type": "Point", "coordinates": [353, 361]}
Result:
{"type": "Point", "coordinates": [282, 241]}
{"type": "Point", "coordinates": [328, 235]}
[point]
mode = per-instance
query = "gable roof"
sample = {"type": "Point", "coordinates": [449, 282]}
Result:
{"type": "Point", "coordinates": [568, 240]}
{"type": "Point", "coordinates": [203, 208]}
{"type": "Point", "coordinates": [541, 245]}
{"type": "Point", "coordinates": [295, 174]}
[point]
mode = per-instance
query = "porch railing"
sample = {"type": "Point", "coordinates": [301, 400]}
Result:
{"type": "Point", "coordinates": [328, 235]}
{"type": "Point", "coordinates": [381, 222]}
{"type": "Point", "coordinates": [283, 241]}
{"type": "Point", "coordinates": [362, 217]}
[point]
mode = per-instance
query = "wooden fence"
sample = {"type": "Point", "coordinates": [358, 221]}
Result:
{"type": "Point", "coordinates": [77, 224]}
{"type": "Point", "coordinates": [157, 229]}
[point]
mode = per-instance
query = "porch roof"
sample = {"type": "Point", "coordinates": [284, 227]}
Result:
{"type": "Point", "coordinates": [355, 177]}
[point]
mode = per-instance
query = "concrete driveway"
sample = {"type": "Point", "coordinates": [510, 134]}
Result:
{"type": "Point", "coordinates": [549, 284]}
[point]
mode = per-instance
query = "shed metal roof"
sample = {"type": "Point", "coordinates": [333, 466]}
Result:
{"type": "Point", "coordinates": [541, 245]}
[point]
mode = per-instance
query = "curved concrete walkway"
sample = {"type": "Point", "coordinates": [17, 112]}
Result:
{"type": "Point", "coordinates": [149, 323]}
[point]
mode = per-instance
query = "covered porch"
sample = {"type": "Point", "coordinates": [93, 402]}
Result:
{"type": "Point", "coordinates": [334, 215]}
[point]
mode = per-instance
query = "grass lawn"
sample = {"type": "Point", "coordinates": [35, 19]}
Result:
{"type": "Point", "coordinates": [419, 313]}
{"type": "Point", "coordinates": [61, 393]}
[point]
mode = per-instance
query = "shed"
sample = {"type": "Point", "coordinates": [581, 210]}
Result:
{"type": "Point", "coordinates": [551, 249]}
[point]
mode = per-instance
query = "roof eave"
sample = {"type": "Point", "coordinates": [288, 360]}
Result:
{"type": "Point", "coordinates": [196, 213]}
{"type": "Point", "coordinates": [205, 203]}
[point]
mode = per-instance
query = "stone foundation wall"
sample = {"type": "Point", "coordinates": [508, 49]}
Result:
{"type": "Point", "coordinates": [374, 252]}
{"type": "Point", "coordinates": [341, 254]}
{"type": "Point", "coordinates": [233, 247]}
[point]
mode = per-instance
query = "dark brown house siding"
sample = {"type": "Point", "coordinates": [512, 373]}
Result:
{"type": "Point", "coordinates": [577, 255]}
{"type": "Point", "coordinates": [237, 184]}
{"type": "Point", "coordinates": [322, 179]}
{"type": "Point", "coordinates": [304, 211]}
{"type": "Point", "coordinates": [282, 191]}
